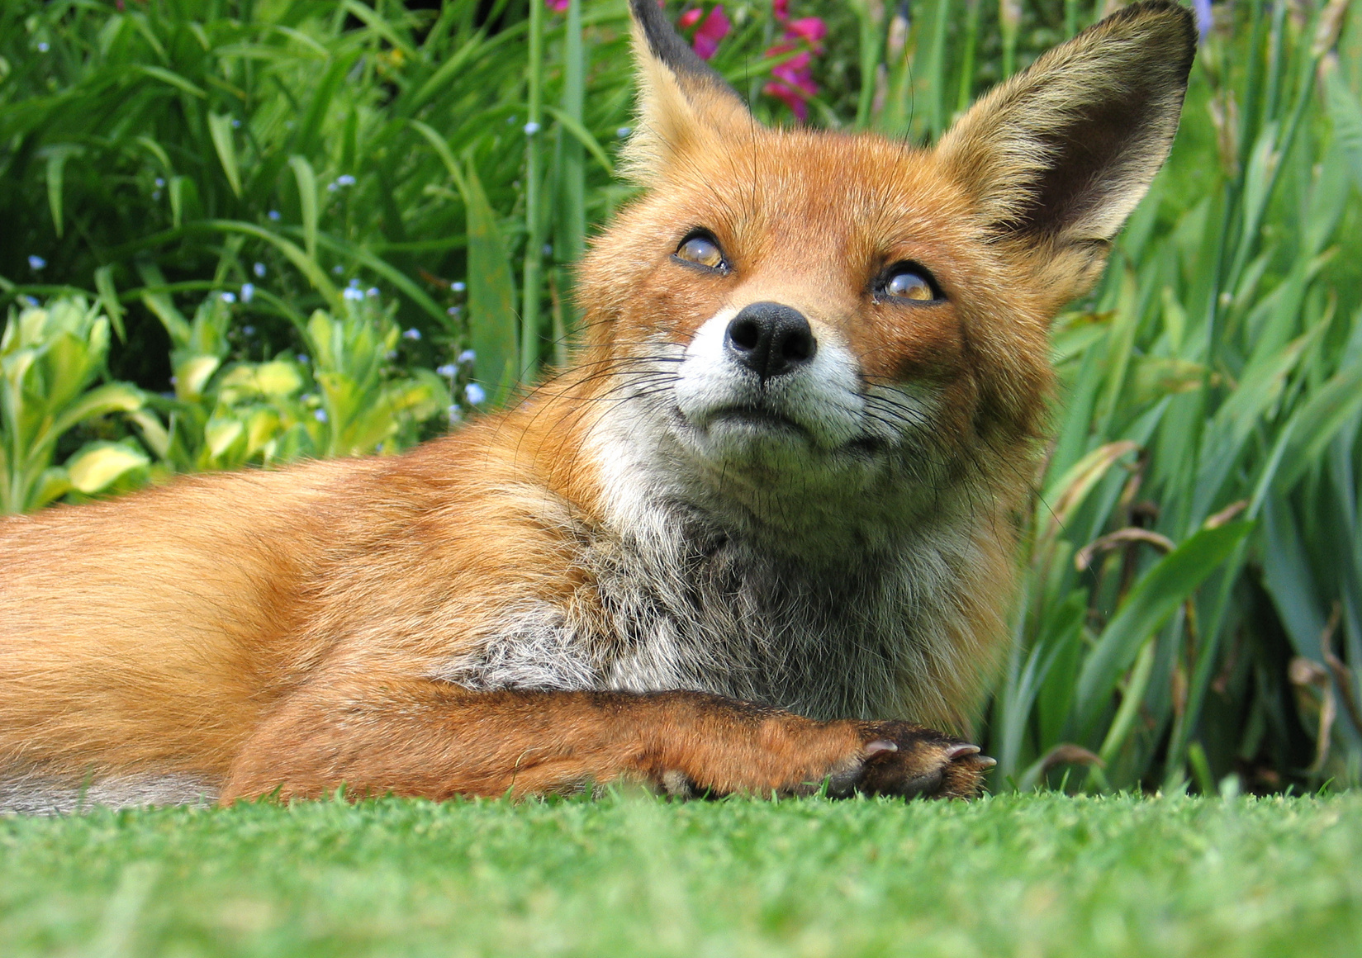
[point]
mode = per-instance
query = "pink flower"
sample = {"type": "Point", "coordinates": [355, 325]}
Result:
{"type": "Point", "coordinates": [810, 29]}
{"type": "Point", "coordinates": [714, 29]}
{"type": "Point", "coordinates": [792, 98]}
{"type": "Point", "coordinates": [792, 81]}
{"type": "Point", "coordinates": [781, 8]}
{"type": "Point", "coordinates": [690, 18]}
{"type": "Point", "coordinates": [557, 6]}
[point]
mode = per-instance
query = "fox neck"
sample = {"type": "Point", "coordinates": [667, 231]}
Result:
{"type": "Point", "coordinates": [818, 595]}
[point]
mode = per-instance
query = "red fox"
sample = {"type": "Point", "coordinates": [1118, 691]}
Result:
{"type": "Point", "coordinates": [765, 519]}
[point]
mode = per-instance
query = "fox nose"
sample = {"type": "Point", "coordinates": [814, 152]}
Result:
{"type": "Point", "coordinates": [770, 339]}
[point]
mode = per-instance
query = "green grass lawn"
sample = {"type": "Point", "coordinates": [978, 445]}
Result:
{"type": "Point", "coordinates": [1030, 875]}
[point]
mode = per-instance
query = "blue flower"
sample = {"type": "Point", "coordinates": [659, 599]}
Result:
{"type": "Point", "coordinates": [454, 414]}
{"type": "Point", "coordinates": [467, 356]}
{"type": "Point", "coordinates": [247, 292]}
{"type": "Point", "coordinates": [531, 128]}
{"type": "Point", "coordinates": [302, 359]}
{"type": "Point", "coordinates": [227, 297]}
{"type": "Point", "coordinates": [319, 415]}
{"type": "Point", "coordinates": [1205, 19]}
{"type": "Point", "coordinates": [259, 270]}
{"type": "Point", "coordinates": [248, 330]}
{"type": "Point", "coordinates": [624, 131]}
{"type": "Point", "coordinates": [453, 311]}
{"type": "Point", "coordinates": [372, 292]}
{"type": "Point", "coordinates": [236, 124]}
{"type": "Point", "coordinates": [458, 286]}
{"type": "Point", "coordinates": [36, 262]}
{"type": "Point", "coordinates": [474, 393]}
{"type": "Point", "coordinates": [412, 334]}
{"type": "Point", "coordinates": [274, 215]}
{"type": "Point", "coordinates": [352, 294]}
{"type": "Point", "coordinates": [337, 269]}
{"type": "Point", "coordinates": [159, 182]}
{"type": "Point", "coordinates": [345, 179]}
{"type": "Point", "coordinates": [354, 284]}
{"type": "Point", "coordinates": [30, 301]}
{"type": "Point", "coordinates": [448, 370]}
{"type": "Point", "coordinates": [43, 47]}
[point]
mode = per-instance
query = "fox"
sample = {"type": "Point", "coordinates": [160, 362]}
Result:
{"type": "Point", "coordinates": [756, 538]}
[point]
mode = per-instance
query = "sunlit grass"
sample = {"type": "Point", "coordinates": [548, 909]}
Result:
{"type": "Point", "coordinates": [1017, 875]}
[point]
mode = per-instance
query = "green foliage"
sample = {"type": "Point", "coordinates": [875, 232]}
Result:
{"type": "Point", "coordinates": [1216, 375]}
{"type": "Point", "coordinates": [1192, 594]}
{"type": "Point", "coordinates": [638, 876]}
{"type": "Point", "coordinates": [347, 398]}
{"type": "Point", "coordinates": [49, 358]}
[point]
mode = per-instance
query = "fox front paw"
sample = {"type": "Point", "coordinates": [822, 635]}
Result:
{"type": "Point", "coordinates": [909, 761]}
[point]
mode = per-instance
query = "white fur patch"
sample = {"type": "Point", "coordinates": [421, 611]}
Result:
{"type": "Point", "coordinates": [35, 795]}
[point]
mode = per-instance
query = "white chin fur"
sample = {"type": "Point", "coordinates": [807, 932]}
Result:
{"type": "Point", "coordinates": [821, 401]}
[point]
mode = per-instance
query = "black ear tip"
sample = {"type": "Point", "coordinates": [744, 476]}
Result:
{"type": "Point", "coordinates": [666, 45]}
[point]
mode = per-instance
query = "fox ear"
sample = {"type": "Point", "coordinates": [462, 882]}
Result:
{"type": "Point", "coordinates": [1058, 156]}
{"type": "Point", "coordinates": [683, 103]}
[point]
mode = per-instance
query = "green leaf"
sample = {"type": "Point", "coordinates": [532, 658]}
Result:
{"type": "Point", "coordinates": [491, 293]}
{"type": "Point", "coordinates": [1345, 112]}
{"type": "Point", "coordinates": [1150, 603]}
{"type": "Point", "coordinates": [99, 465]}
{"type": "Point", "coordinates": [56, 172]}
{"type": "Point", "coordinates": [174, 79]}
{"type": "Point", "coordinates": [582, 135]}
{"type": "Point", "coordinates": [100, 401]}
{"type": "Point", "coordinates": [108, 298]}
{"type": "Point", "coordinates": [307, 200]}
{"type": "Point", "coordinates": [220, 128]}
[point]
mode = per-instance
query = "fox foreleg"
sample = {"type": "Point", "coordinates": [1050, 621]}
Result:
{"type": "Point", "coordinates": [431, 739]}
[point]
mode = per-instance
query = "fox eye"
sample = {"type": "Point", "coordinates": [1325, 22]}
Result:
{"type": "Point", "coordinates": [909, 281]}
{"type": "Point", "coordinates": [702, 249]}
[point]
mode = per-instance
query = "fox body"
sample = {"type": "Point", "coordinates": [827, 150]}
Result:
{"type": "Point", "coordinates": [765, 518]}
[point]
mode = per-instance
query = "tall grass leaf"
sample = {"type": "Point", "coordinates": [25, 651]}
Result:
{"type": "Point", "coordinates": [220, 129]}
{"type": "Point", "coordinates": [174, 79]}
{"type": "Point", "coordinates": [1068, 492]}
{"type": "Point", "coordinates": [1345, 112]}
{"type": "Point", "coordinates": [297, 256]}
{"type": "Point", "coordinates": [380, 26]}
{"type": "Point", "coordinates": [583, 136]}
{"type": "Point", "coordinates": [162, 307]}
{"type": "Point", "coordinates": [108, 298]}
{"type": "Point", "coordinates": [1288, 579]}
{"type": "Point", "coordinates": [443, 151]}
{"type": "Point", "coordinates": [307, 200]}
{"type": "Point", "coordinates": [446, 72]}
{"type": "Point", "coordinates": [1315, 423]}
{"type": "Point", "coordinates": [305, 137]}
{"type": "Point", "coordinates": [389, 272]}
{"type": "Point", "coordinates": [56, 169]}
{"type": "Point", "coordinates": [1150, 602]}
{"type": "Point", "coordinates": [491, 293]}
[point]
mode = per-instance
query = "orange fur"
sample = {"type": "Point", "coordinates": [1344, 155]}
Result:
{"type": "Point", "coordinates": [312, 626]}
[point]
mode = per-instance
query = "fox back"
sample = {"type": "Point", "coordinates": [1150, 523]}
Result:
{"type": "Point", "coordinates": [786, 466]}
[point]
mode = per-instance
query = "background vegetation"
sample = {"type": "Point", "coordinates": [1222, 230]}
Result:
{"type": "Point", "coordinates": [243, 232]}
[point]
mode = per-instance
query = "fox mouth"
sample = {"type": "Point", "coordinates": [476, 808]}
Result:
{"type": "Point", "coordinates": [755, 418]}
{"type": "Point", "coordinates": [756, 422]}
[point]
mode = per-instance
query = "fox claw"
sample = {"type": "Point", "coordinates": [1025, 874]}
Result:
{"type": "Point", "coordinates": [910, 761]}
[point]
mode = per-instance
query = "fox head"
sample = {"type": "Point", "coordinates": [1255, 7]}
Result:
{"type": "Point", "coordinates": [804, 326]}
